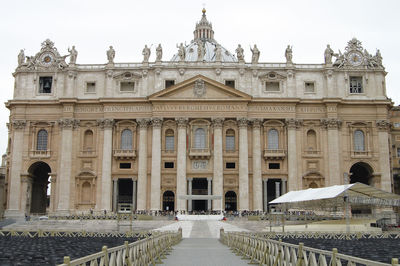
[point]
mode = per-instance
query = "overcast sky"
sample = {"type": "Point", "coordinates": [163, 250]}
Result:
{"type": "Point", "coordinates": [128, 25]}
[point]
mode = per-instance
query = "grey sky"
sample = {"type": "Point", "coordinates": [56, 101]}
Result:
{"type": "Point", "coordinates": [128, 25]}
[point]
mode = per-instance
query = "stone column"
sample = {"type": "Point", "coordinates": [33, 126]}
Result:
{"type": "Point", "coordinates": [209, 193]}
{"type": "Point", "coordinates": [190, 202]}
{"type": "Point", "coordinates": [218, 179]}
{"type": "Point", "coordinates": [283, 187]}
{"type": "Point", "coordinates": [243, 165]}
{"type": "Point", "coordinates": [257, 179]}
{"type": "Point", "coordinates": [66, 126]}
{"type": "Point", "coordinates": [115, 195]}
{"type": "Point", "coordinates": [26, 193]}
{"type": "Point", "coordinates": [277, 189]}
{"type": "Point", "coordinates": [335, 175]}
{"type": "Point", "coordinates": [155, 204]}
{"type": "Point", "coordinates": [53, 184]}
{"type": "Point", "coordinates": [142, 171]}
{"type": "Point", "coordinates": [106, 195]}
{"type": "Point", "coordinates": [181, 164]}
{"type": "Point", "coordinates": [134, 195]}
{"type": "Point", "coordinates": [265, 199]}
{"type": "Point", "coordinates": [292, 125]}
{"type": "Point", "coordinates": [14, 209]}
{"type": "Point", "coordinates": [384, 161]}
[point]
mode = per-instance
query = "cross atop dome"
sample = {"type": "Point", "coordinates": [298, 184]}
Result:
{"type": "Point", "coordinates": [203, 29]}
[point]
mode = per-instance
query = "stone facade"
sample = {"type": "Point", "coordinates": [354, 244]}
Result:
{"type": "Point", "coordinates": [122, 136]}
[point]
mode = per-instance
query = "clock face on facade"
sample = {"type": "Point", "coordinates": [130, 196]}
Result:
{"type": "Point", "coordinates": [355, 58]}
{"type": "Point", "coordinates": [46, 59]}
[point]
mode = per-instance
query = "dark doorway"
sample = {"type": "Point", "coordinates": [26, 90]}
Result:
{"type": "Point", "coordinates": [40, 198]}
{"type": "Point", "coordinates": [271, 189]}
{"type": "Point", "coordinates": [199, 187]}
{"type": "Point", "coordinates": [230, 201]}
{"type": "Point", "coordinates": [168, 201]}
{"type": "Point", "coordinates": [125, 190]}
{"type": "Point", "coordinates": [361, 172]}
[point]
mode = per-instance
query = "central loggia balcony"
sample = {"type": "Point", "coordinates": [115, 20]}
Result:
{"type": "Point", "coordinates": [39, 154]}
{"type": "Point", "coordinates": [195, 153]}
{"type": "Point", "coordinates": [274, 154]}
{"type": "Point", "coordinates": [124, 154]}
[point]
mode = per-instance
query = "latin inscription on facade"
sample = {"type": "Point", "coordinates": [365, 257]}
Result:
{"type": "Point", "coordinates": [272, 109]}
{"type": "Point", "coordinates": [160, 108]}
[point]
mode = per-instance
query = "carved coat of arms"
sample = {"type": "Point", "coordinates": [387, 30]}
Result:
{"type": "Point", "coordinates": [199, 89]}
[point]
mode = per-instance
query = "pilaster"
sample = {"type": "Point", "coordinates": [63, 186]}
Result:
{"type": "Point", "coordinates": [218, 180]}
{"type": "Point", "coordinates": [142, 171]}
{"type": "Point", "coordinates": [243, 165]}
{"type": "Point", "coordinates": [333, 125]}
{"type": "Point", "coordinates": [384, 161]}
{"type": "Point", "coordinates": [292, 125]}
{"type": "Point", "coordinates": [155, 203]}
{"type": "Point", "coordinates": [257, 176]}
{"type": "Point", "coordinates": [181, 164]}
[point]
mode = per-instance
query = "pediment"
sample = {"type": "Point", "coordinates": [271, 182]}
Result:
{"type": "Point", "coordinates": [199, 88]}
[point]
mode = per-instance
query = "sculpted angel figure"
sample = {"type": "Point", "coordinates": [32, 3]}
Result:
{"type": "Point", "coordinates": [158, 52]}
{"type": "Point", "coordinates": [256, 54]}
{"type": "Point", "coordinates": [73, 54]}
{"type": "Point", "coordinates": [110, 55]}
{"type": "Point", "coordinates": [146, 54]}
{"type": "Point", "coordinates": [289, 54]}
{"type": "Point", "coordinates": [21, 58]}
{"type": "Point", "coordinates": [240, 53]}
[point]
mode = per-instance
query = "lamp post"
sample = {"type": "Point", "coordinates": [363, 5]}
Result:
{"type": "Point", "coordinates": [346, 196]}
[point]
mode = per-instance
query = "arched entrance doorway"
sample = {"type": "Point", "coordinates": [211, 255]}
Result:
{"type": "Point", "coordinates": [168, 201]}
{"type": "Point", "coordinates": [40, 192]}
{"type": "Point", "coordinates": [230, 201]}
{"type": "Point", "coordinates": [361, 172]}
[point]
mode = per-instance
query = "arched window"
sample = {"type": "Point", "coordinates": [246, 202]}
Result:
{"type": "Point", "coordinates": [169, 140]}
{"type": "Point", "coordinates": [359, 141]}
{"type": "Point", "coordinates": [200, 138]}
{"type": "Point", "coordinates": [126, 139]}
{"type": "Point", "coordinates": [88, 140]}
{"type": "Point", "coordinates": [41, 144]}
{"type": "Point", "coordinates": [273, 139]}
{"type": "Point", "coordinates": [311, 140]}
{"type": "Point", "coordinates": [230, 140]}
{"type": "Point", "coordinates": [86, 192]}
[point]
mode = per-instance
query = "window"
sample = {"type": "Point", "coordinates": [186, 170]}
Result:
{"type": "Point", "coordinates": [311, 140]}
{"type": "Point", "coordinates": [169, 140]}
{"type": "Point", "coordinates": [398, 152]}
{"type": "Point", "coordinates": [230, 140]}
{"type": "Point", "coordinates": [126, 139]}
{"type": "Point", "coordinates": [309, 87]}
{"type": "Point", "coordinates": [230, 165]}
{"type": "Point", "coordinates": [169, 83]}
{"type": "Point", "coordinates": [200, 138]}
{"type": "Point", "coordinates": [272, 86]}
{"type": "Point", "coordinates": [127, 86]}
{"type": "Point", "coordinates": [45, 84]}
{"type": "Point", "coordinates": [125, 165]}
{"type": "Point", "coordinates": [41, 144]}
{"type": "Point", "coordinates": [396, 124]}
{"type": "Point", "coordinates": [86, 192]}
{"type": "Point", "coordinates": [274, 165]}
{"type": "Point", "coordinates": [169, 165]}
{"type": "Point", "coordinates": [356, 85]}
{"type": "Point", "coordinates": [359, 140]}
{"type": "Point", "coordinates": [90, 87]}
{"type": "Point", "coordinates": [230, 83]}
{"type": "Point", "coordinates": [88, 140]}
{"type": "Point", "coordinates": [273, 139]}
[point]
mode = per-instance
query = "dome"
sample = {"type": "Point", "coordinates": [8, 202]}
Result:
{"type": "Point", "coordinates": [204, 34]}
{"type": "Point", "coordinates": [191, 53]}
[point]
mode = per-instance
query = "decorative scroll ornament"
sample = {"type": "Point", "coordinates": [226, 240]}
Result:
{"type": "Point", "coordinates": [143, 122]}
{"type": "Point", "coordinates": [156, 122]}
{"type": "Point", "coordinates": [69, 123]}
{"type": "Point", "coordinates": [294, 123]}
{"type": "Point", "coordinates": [331, 123]}
{"type": "Point", "coordinates": [105, 123]}
{"type": "Point", "coordinates": [256, 123]}
{"type": "Point", "coordinates": [243, 121]}
{"type": "Point", "coordinates": [199, 89]}
{"type": "Point", "coordinates": [18, 124]}
{"type": "Point", "coordinates": [182, 122]}
{"type": "Point", "coordinates": [217, 122]}
{"type": "Point", "coordinates": [383, 124]}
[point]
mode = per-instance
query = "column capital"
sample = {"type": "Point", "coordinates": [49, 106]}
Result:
{"type": "Point", "coordinates": [143, 123]}
{"type": "Point", "coordinates": [383, 125]}
{"type": "Point", "coordinates": [293, 123]}
{"type": "Point", "coordinates": [182, 122]}
{"type": "Point", "coordinates": [69, 123]}
{"type": "Point", "coordinates": [256, 122]}
{"type": "Point", "coordinates": [331, 123]}
{"type": "Point", "coordinates": [105, 123]}
{"type": "Point", "coordinates": [18, 124]}
{"type": "Point", "coordinates": [209, 179]}
{"type": "Point", "coordinates": [243, 122]}
{"type": "Point", "coordinates": [156, 122]}
{"type": "Point", "coordinates": [217, 122]}
{"type": "Point", "coordinates": [189, 179]}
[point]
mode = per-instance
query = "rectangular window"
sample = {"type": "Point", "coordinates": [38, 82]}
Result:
{"type": "Point", "coordinates": [169, 83]}
{"type": "Point", "coordinates": [90, 87]}
{"type": "Point", "coordinates": [309, 87]}
{"type": "Point", "coordinates": [230, 83]}
{"type": "Point", "coordinates": [230, 143]}
{"type": "Point", "coordinates": [127, 86]}
{"type": "Point", "coordinates": [169, 165]}
{"type": "Point", "coordinates": [356, 85]}
{"type": "Point", "coordinates": [45, 84]}
{"type": "Point", "coordinates": [230, 165]}
{"type": "Point", "coordinates": [274, 166]}
{"type": "Point", "coordinates": [272, 86]}
{"type": "Point", "coordinates": [125, 165]}
{"type": "Point", "coordinates": [169, 143]}
{"type": "Point", "coordinates": [398, 152]}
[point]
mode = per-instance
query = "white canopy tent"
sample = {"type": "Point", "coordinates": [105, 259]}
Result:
{"type": "Point", "coordinates": [357, 193]}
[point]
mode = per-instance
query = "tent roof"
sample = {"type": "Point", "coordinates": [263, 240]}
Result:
{"type": "Point", "coordinates": [353, 190]}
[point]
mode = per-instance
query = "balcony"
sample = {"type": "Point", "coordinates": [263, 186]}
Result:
{"type": "Point", "coordinates": [312, 153]}
{"type": "Point", "coordinates": [199, 153]}
{"type": "Point", "coordinates": [124, 154]}
{"type": "Point", "coordinates": [361, 154]}
{"type": "Point", "coordinates": [39, 154]}
{"type": "Point", "coordinates": [87, 153]}
{"type": "Point", "coordinates": [277, 154]}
